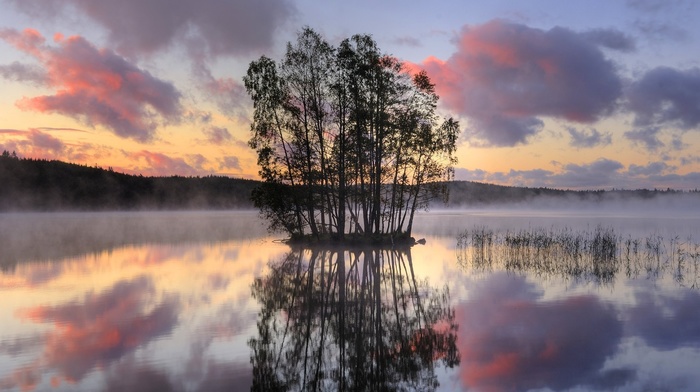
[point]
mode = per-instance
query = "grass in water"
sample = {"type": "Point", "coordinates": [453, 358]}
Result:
{"type": "Point", "coordinates": [598, 255]}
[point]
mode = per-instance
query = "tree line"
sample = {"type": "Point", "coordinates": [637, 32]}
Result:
{"type": "Point", "coordinates": [347, 140]}
{"type": "Point", "coordinates": [35, 184]}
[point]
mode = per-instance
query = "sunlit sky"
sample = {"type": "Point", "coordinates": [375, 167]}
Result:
{"type": "Point", "coordinates": [581, 94]}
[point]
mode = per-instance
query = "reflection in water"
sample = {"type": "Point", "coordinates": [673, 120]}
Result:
{"type": "Point", "coordinates": [54, 236]}
{"type": "Point", "coordinates": [665, 321]}
{"type": "Point", "coordinates": [158, 314]}
{"type": "Point", "coordinates": [98, 329]}
{"type": "Point", "coordinates": [358, 320]}
{"type": "Point", "coordinates": [512, 340]}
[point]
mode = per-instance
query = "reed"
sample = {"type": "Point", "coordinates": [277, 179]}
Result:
{"type": "Point", "coordinates": [597, 255]}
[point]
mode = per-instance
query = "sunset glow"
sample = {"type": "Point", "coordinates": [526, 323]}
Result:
{"type": "Point", "coordinates": [546, 93]}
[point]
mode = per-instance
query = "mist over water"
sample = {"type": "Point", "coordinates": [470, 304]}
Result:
{"type": "Point", "coordinates": [670, 215]}
{"type": "Point", "coordinates": [55, 235]}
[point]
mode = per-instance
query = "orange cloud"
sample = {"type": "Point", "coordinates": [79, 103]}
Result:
{"type": "Point", "coordinates": [97, 86]}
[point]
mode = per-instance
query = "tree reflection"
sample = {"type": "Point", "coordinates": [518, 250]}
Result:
{"type": "Point", "coordinates": [357, 320]}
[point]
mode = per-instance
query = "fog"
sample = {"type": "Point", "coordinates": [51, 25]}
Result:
{"type": "Point", "coordinates": [56, 235]}
{"type": "Point", "coordinates": [663, 214]}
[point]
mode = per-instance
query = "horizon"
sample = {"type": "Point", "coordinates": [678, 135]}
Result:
{"type": "Point", "coordinates": [194, 176]}
{"type": "Point", "coordinates": [576, 96]}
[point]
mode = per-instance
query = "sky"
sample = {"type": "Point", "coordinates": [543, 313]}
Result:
{"type": "Point", "coordinates": [581, 94]}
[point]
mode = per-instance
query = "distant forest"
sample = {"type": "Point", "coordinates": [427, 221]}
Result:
{"type": "Point", "coordinates": [42, 185]}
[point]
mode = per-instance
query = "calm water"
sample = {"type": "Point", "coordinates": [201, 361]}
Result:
{"type": "Point", "coordinates": [209, 302]}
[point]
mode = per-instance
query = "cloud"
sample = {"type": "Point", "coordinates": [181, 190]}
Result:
{"type": "Point", "coordinates": [588, 139]}
{"type": "Point", "coordinates": [229, 95]}
{"type": "Point", "coordinates": [159, 164]}
{"type": "Point", "coordinates": [230, 162]}
{"type": "Point", "coordinates": [45, 141]}
{"type": "Point", "coordinates": [602, 172]}
{"type": "Point", "coordinates": [217, 135]}
{"type": "Point", "coordinates": [505, 76]}
{"type": "Point", "coordinates": [97, 86]}
{"type": "Point", "coordinates": [689, 160]}
{"type": "Point", "coordinates": [102, 328]}
{"type": "Point", "coordinates": [660, 18]}
{"type": "Point", "coordinates": [666, 96]}
{"type": "Point", "coordinates": [650, 169]}
{"type": "Point", "coordinates": [611, 39]}
{"type": "Point", "coordinates": [39, 144]}
{"type": "Point", "coordinates": [509, 339]}
{"type": "Point", "coordinates": [677, 143]}
{"type": "Point", "coordinates": [408, 41]}
{"type": "Point", "coordinates": [19, 72]}
{"type": "Point", "coordinates": [651, 6]}
{"type": "Point", "coordinates": [215, 27]}
{"type": "Point", "coordinates": [657, 31]}
{"type": "Point", "coordinates": [646, 137]}
{"type": "Point", "coordinates": [599, 174]}
{"type": "Point", "coordinates": [197, 161]}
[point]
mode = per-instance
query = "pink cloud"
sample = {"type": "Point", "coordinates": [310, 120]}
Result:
{"type": "Point", "coordinates": [38, 143]}
{"type": "Point", "coordinates": [158, 164]}
{"type": "Point", "coordinates": [97, 86]}
{"type": "Point", "coordinates": [505, 76]}
{"type": "Point", "coordinates": [99, 329]}
{"type": "Point", "coordinates": [213, 27]}
{"type": "Point", "coordinates": [45, 141]}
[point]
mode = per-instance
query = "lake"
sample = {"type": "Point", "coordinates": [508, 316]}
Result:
{"type": "Point", "coordinates": [496, 300]}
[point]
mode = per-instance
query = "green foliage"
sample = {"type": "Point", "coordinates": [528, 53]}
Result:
{"type": "Point", "coordinates": [354, 137]}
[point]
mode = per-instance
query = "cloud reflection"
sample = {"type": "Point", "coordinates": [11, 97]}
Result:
{"type": "Point", "coordinates": [667, 322]}
{"type": "Point", "coordinates": [511, 340]}
{"type": "Point", "coordinates": [102, 327]}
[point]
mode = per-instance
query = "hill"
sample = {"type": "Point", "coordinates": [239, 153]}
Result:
{"type": "Point", "coordinates": [474, 194]}
{"type": "Point", "coordinates": [41, 185]}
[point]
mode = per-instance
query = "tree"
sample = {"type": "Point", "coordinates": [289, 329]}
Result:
{"type": "Point", "coordinates": [347, 140]}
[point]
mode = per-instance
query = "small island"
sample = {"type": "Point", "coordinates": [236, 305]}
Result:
{"type": "Point", "coordinates": [348, 142]}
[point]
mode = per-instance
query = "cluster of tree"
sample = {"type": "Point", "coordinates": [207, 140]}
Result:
{"type": "Point", "coordinates": [350, 321]}
{"type": "Point", "coordinates": [347, 140]}
{"type": "Point", "coordinates": [32, 184]}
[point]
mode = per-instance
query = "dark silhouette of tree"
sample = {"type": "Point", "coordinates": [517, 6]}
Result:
{"type": "Point", "coordinates": [357, 320]}
{"type": "Point", "coordinates": [347, 141]}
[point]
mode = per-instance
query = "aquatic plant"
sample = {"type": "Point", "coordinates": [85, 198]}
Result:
{"type": "Point", "coordinates": [597, 255]}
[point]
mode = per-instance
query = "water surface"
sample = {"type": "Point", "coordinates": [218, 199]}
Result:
{"type": "Point", "coordinates": [186, 301]}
